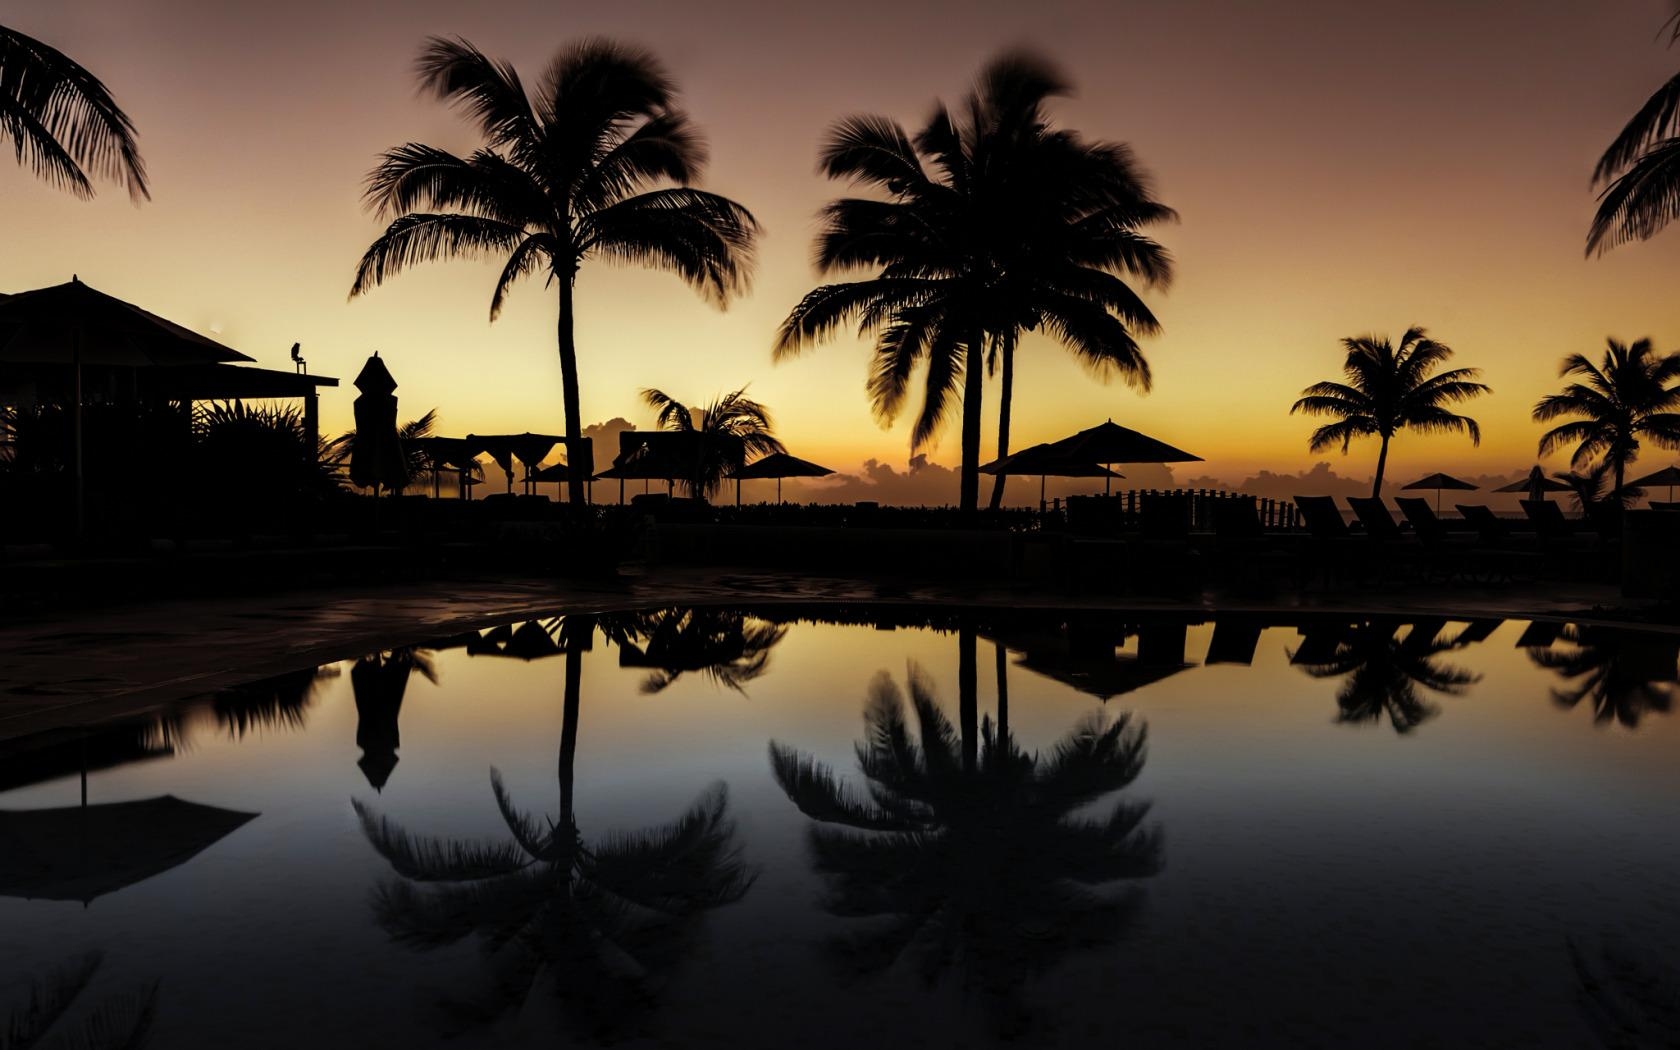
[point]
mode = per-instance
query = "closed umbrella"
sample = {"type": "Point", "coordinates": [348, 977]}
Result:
{"type": "Point", "coordinates": [1536, 484]}
{"type": "Point", "coordinates": [778, 465]}
{"type": "Point", "coordinates": [1667, 476]}
{"type": "Point", "coordinates": [1110, 442]}
{"type": "Point", "coordinates": [376, 457]}
{"type": "Point", "coordinates": [1047, 461]}
{"type": "Point", "coordinates": [1438, 482]}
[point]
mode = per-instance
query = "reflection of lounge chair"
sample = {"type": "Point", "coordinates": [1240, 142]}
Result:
{"type": "Point", "coordinates": [1234, 641]}
{"type": "Point", "coordinates": [1539, 635]}
{"type": "Point", "coordinates": [1478, 631]}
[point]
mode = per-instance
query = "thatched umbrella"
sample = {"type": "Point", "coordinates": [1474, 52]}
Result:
{"type": "Point", "coordinates": [777, 465]}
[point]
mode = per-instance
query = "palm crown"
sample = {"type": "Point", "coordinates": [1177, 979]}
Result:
{"type": "Point", "coordinates": [993, 224]}
{"type": "Point", "coordinates": [727, 432]}
{"type": "Point", "coordinates": [1389, 389]}
{"type": "Point", "coordinates": [1640, 171]}
{"type": "Point", "coordinates": [1382, 670]}
{"type": "Point", "coordinates": [985, 864]}
{"type": "Point", "coordinates": [1622, 676]}
{"type": "Point", "coordinates": [1631, 394]}
{"type": "Point", "coordinates": [597, 164]}
{"type": "Point", "coordinates": [62, 121]}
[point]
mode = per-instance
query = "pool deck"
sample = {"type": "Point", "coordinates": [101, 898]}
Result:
{"type": "Point", "coordinates": [79, 667]}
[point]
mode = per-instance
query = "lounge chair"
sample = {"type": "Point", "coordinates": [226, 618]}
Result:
{"type": "Point", "coordinates": [1431, 530]}
{"type": "Point", "coordinates": [1322, 517]}
{"type": "Point", "coordinates": [1164, 517]}
{"type": "Point", "coordinates": [1373, 514]}
{"type": "Point", "coordinates": [1548, 520]}
{"type": "Point", "coordinates": [1237, 519]}
{"type": "Point", "coordinates": [1489, 526]}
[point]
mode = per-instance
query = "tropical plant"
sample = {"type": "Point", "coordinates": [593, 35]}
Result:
{"type": "Point", "coordinates": [1632, 394]}
{"type": "Point", "coordinates": [62, 121]}
{"type": "Point", "coordinates": [597, 165]}
{"type": "Point", "coordinates": [726, 433]}
{"type": "Point", "coordinates": [259, 455]}
{"type": "Point", "coordinates": [1018, 228]}
{"type": "Point", "coordinates": [1640, 170]}
{"type": "Point", "coordinates": [1390, 389]}
{"type": "Point", "coordinates": [1622, 676]}
{"type": "Point", "coordinates": [417, 464]}
{"type": "Point", "coordinates": [987, 866]}
{"type": "Point", "coordinates": [115, 1021]}
{"type": "Point", "coordinates": [1383, 670]}
{"type": "Point", "coordinates": [725, 646]}
{"type": "Point", "coordinates": [601, 922]}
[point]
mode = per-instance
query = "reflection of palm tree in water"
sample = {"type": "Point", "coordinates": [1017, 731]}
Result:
{"type": "Point", "coordinates": [123, 1020]}
{"type": "Point", "coordinates": [281, 702]}
{"type": "Point", "coordinates": [1629, 994]}
{"type": "Point", "coordinates": [1623, 674]}
{"type": "Point", "coordinates": [1384, 669]}
{"type": "Point", "coordinates": [602, 921]}
{"type": "Point", "coordinates": [983, 862]}
{"type": "Point", "coordinates": [728, 647]}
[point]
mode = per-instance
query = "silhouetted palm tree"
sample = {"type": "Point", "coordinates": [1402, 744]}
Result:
{"type": "Point", "coordinates": [115, 1021]}
{"type": "Point", "coordinates": [62, 122]}
{"type": "Point", "coordinates": [983, 867]}
{"type": "Point", "coordinates": [600, 920]}
{"type": "Point", "coordinates": [1389, 390]}
{"type": "Point", "coordinates": [728, 432]}
{"type": "Point", "coordinates": [1017, 228]}
{"type": "Point", "coordinates": [573, 174]}
{"type": "Point", "coordinates": [1632, 394]}
{"type": "Point", "coordinates": [726, 646]}
{"type": "Point", "coordinates": [1623, 675]}
{"type": "Point", "coordinates": [1640, 171]}
{"type": "Point", "coordinates": [280, 702]}
{"type": "Point", "coordinates": [1384, 670]}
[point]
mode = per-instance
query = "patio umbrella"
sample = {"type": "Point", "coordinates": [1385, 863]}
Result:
{"type": "Point", "coordinates": [447, 452]}
{"type": "Point", "coordinates": [1439, 481]}
{"type": "Point", "coordinates": [376, 457]}
{"type": "Point", "coordinates": [73, 325]}
{"type": "Point", "coordinates": [1536, 484]}
{"type": "Point", "coordinates": [78, 853]}
{"type": "Point", "coordinates": [1110, 442]}
{"type": "Point", "coordinates": [641, 465]}
{"type": "Point", "coordinates": [1667, 476]}
{"type": "Point", "coordinates": [777, 465]}
{"type": "Point", "coordinates": [555, 472]}
{"type": "Point", "coordinates": [1046, 461]}
{"type": "Point", "coordinates": [528, 448]}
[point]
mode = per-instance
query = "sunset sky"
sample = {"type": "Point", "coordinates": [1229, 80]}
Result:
{"type": "Point", "coordinates": [1339, 168]}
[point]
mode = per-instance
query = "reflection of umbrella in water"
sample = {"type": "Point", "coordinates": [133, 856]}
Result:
{"type": "Point", "coordinates": [1667, 476]}
{"type": "Point", "coordinates": [379, 681]}
{"type": "Point", "coordinates": [1439, 481]}
{"type": "Point", "coordinates": [1085, 656]}
{"type": "Point", "coordinates": [777, 465]}
{"type": "Point", "coordinates": [79, 853]}
{"type": "Point", "coordinates": [1536, 484]}
{"type": "Point", "coordinates": [1047, 461]}
{"type": "Point", "coordinates": [1110, 442]}
{"type": "Point", "coordinates": [376, 456]}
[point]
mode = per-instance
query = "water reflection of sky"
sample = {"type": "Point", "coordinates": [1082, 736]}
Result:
{"type": "Point", "coordinates": [1323, 883]}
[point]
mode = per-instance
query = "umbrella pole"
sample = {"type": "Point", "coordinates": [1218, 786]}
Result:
{"type": "Point", "coordinates": [1108, 482]}
{"type": "Point", "coordinates": [81, 509]}
{"type": "Point", "coordinates": [737, 493]}
{"type": "Point", "coordinates": [1041, 493]}
{"type": "Point", "coordinates": [779, 491]}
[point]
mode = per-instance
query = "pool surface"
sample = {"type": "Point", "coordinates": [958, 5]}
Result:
{"type": "Point", "coordinates": [874, 826]}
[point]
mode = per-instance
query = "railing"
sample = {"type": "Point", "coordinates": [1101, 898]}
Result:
{"type": "Point", "coordinates": [1125, 509]}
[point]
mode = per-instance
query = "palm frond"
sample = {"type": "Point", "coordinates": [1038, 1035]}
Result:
{"type": "Point", "coordinates": [426, 859]}
{"type": "Point", "coordinates": [63, 122]}
{"type": "Point", "coordinates": [417, 238]}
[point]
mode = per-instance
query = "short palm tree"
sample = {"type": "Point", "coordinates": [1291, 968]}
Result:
{"type": "Point", "coordinates": [1382, 671]}
{"type": "Point", "coordinates": [727, 432]}
{"type": "Point", "coordinates": [1640, 171]}
{"type": "Point", "coordinates": [1390, 389]}
{"type": "Point", "coordinates": [986, 867]}
{"type": "Point", "coordinates": [601, 921]}
{"type": "Point", "coordinates": [1622, 676]}
{"type": "Point", "coordinates": [62, 121]}
{"type": "Point", "coordinates": [993, 224]}
{"type": "Point", "coordinates": [597, 165]}
{"type": "Point", "coordinates": [1632, 394]}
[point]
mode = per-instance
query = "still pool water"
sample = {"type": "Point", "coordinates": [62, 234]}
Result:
{"type": "Point", "coordinates": [876, 827]}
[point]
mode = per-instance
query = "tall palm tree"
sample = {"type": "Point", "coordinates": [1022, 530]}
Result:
{"type": "Point", "coordinates": [601, 921]}
{"type": "Point", "coordinates": [1390, 389]}
{"type": "Point", "coordinates": [992, 224]}
{"type": "Point", "coordinates": [983, 866]}
{"type": "Point", "coordinates": [1622, 675]}
{"type": "Point", "coordinates": [1632, 393]}
{"type": "Point", "coordinates": [1383, 669]}
{"type": "Point", "coordinates": [727, 432]}
{"type": "Point", "coordinates": [1640, 170]}
{"type": "Point", "coordinates": [62, 121]}
{"type": "Point", "coordinates": [597, 165]}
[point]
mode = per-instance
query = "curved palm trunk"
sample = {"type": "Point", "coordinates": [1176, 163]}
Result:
{"type": "Point", "coordinates": [569, 389]}
{"type": "Point", "coordinates": [1382, 464]}
{"type": "Point", "coordinates": [1005, 392]}
{"type": "Point", "coordinates": [972, 378]}
{"type": "Point", "coordinates": [968, 696]}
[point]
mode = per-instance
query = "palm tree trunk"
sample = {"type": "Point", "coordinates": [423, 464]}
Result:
{"type": "Point", "coordinates": [972, 379]}
{"type": "Point", "coordinates": [1382, 464]}
{"type": "Point", "coordinates": [574, 640]}
{"type": "Point", "coordinates": [968, 696]}
{"type": "Point", "coordinates": [1005, 392]}
{"type": "Point", "coordinates": [569, 389]}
